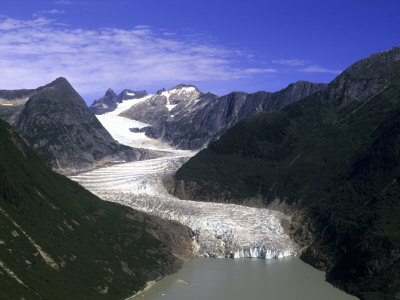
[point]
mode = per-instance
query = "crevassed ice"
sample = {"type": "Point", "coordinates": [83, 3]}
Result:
{"type": "Point", "coordinates": [220, 229]}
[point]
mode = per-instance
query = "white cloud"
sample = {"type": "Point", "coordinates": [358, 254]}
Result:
{"type": "Point", "coordinates": [318, 69]}
{"type": "Point", "coordinates": [37, 51]}
{"type": "Point", "coordinates": [290, 62]}
{"type": "Point", "coordinates": [48, 12]}
{"type": "Point", "coordinates": [258, 71]}
{"type": "Point", "coordinates": [9, 24]}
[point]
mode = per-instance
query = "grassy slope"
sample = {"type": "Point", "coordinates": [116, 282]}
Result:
{"type": "Point", "coordinates": [91, 241]}
{"type": "Point", "coordinates": [341, 160]}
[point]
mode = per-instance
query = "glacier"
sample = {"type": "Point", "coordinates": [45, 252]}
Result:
{"type": "Point", "coordinates": [220, 230]}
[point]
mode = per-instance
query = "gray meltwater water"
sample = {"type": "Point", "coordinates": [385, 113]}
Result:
{"type": "Point", "coordinates": [221, 230]}
{"type": "Point", "coordinates": [237, 279]}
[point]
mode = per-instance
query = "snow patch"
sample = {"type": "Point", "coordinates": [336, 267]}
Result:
{"type": "Point", "coordinates": [126, 104]}
{"type": "Point", "coordinates": [187, 91]}
{"type": "Point", "coordinates": [170, 106]}
{"type": "Point", "coordinates": [119, 127]}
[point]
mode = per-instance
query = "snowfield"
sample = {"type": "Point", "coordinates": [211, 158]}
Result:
{"type": "Point", "coordinates": [220, 229]}
{"type": "Point", "coordinates": [118, 127]}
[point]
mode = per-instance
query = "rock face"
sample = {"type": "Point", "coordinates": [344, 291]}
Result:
{"type": "Point", "coordinates": [189, 119]}
{"type": "Point", "coordinates": [55, 121]}
{"type": "Point", "coordinates": [12, 102]}
{"type": "Point", "coordinates": [334, 157]}
{"type": "Point", "coordinates": [365, 78]}
{"type": "Point", "coordinates": [59, 241]}
{"type": "Point", "coordinates": [110, 100]}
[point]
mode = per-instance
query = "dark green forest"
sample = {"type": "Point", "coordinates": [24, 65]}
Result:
{"type": "Point", "coordinates": [339, 161]}
{"type": "Point", "coordinates": [62, 242]}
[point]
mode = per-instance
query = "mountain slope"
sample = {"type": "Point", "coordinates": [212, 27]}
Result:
{"type": "Point", "coordinates": [335, 155]}
{"type": "Point", "coordinates": [12, 102]}
{"type": "Point", "coordinates": [55, 121]}
{"type": "Point", "coordinates": [110, 100]}
{"type": "Point", "coordinates": [59, 241]}
{"type": "Point", "coordinates": [190, 119]}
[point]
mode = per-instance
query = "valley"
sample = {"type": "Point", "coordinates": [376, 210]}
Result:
{"type": "Point", "coordinates": [181, 150]}
{"type": "Point", "coordinates": [221, 230]}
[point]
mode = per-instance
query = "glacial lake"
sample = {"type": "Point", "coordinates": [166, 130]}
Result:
{"type": "Point", "coordinates": [237, 279]}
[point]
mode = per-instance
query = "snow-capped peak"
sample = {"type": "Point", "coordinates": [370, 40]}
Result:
{"type": "Point", "coordinates": [180, 92]}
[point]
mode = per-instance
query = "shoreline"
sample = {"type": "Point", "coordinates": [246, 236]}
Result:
{"type": "Point", "coordinates": [170, 284]}
{"type": "Point", "coordinates": [148, 285]}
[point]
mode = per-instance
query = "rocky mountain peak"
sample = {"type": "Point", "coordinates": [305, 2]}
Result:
{"type": "Point", "coordinates": [129, 94]}
{"type": "Point", "coordinates": [375, 65]}
{"type": "Point", "coordinates": [366, 77]}
{"type": "Point", "coordinates": [190, 119]}
{"type": "Point", "coordinates": [160, 91]}
{"type": "Point", "coordinates": [182, 86]}
{"type": "Point", "coordinates": [110, 100]}
{"type": "Point", "coordinates": [56, 122]}
{"type": "Point", "coordinates": [60, 81]}
{"type": "Point", "coordinates": [110, 93]}
{"type": "Point", "coordinates": [180, 93]}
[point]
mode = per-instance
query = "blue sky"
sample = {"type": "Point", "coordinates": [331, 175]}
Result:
{"type": "Point", "coordinates": [219, 46]}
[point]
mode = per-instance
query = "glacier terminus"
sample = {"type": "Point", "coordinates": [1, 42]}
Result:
{"type": "Point", "coordinates": [221, 230]}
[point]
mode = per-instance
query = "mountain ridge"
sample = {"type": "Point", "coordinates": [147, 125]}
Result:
{"type": "Point", "coordinates": [55, 121]}
{"type": "Point", "coordinates": [189, 119]}
{"type": "Point", "coordinates": [110, 100]}
{"type": "Point", "coordinates": [59, 241]}
{"type": "Point", "coordinates": [332, 160]}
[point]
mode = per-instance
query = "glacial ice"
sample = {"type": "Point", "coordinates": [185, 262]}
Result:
{"type": "Point", "coordinates": [119, 127]}
{"type": "Point", "coordinates": [221, 230]}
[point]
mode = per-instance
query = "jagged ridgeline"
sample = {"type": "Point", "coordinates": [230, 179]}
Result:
{"type": "Point", "coordinates": [59, 241]}
{"type": "Point", "coordinates": [334, 154]}
{"type": "Point", "coordinates": [110, 100]}
{"type": "Point", "coordinates": [56, 123]}
{"type": "Point", "coordinates": [187, 118]}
